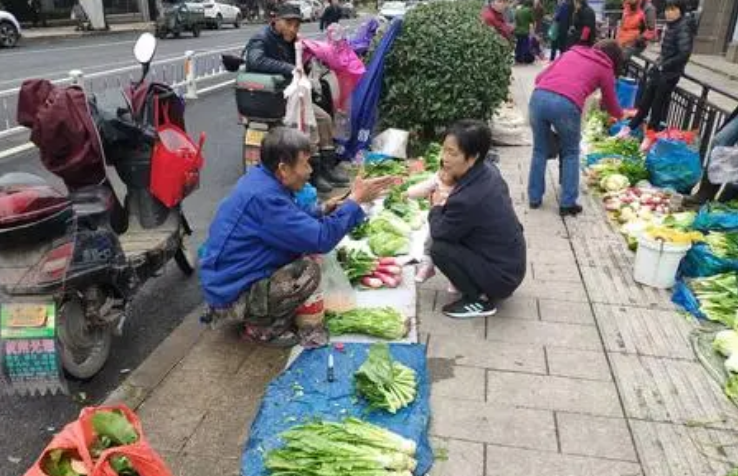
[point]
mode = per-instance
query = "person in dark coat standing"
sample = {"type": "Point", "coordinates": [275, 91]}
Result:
{"type": "Point", "coordinates": [583, 31]}
{"type": "Point", "coordinates": [562, 20]}
{"type": "Point", "coordinates": [478, 241]}
{"type": "Point", "coordinates": [676, 49]}
{"type": "Point", "coordinates": [331, 15]}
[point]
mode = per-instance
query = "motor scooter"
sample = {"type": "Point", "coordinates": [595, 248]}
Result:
{"type": "Point", "coordinates": [69, 268]}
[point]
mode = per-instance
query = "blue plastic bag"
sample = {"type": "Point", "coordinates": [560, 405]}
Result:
{"type": "Point", "coordinates": [702, 262]}
{"type": "Point", "coordinates": [684, 297]}
{"type": "Point", "coordinates": [716, 217]}
{"type": "Point", "coordinates": [673, 164]}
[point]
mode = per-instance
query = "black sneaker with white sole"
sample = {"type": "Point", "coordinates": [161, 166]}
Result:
{"type": "Point", "coordinates": [465, 309]}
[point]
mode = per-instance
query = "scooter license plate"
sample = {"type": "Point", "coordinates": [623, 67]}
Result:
{"type": "Point", "coordinates": [20, 320]}
{"type": "Point", "coordinates": [254, 137]}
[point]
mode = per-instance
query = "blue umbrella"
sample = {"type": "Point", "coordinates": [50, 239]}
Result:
{"type": "Point", "coordinates": [365, 99]}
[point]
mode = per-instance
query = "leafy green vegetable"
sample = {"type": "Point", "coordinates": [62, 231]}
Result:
{"type": "Point", "coordinates": [360, 231]}
{"type": "Point", "coordinates": [628, 148]}
{"type": "Point", "coordinates": [356, 263]}
{"type": "Point", "coordinates": [384, 168]}
{"type": "Point", "coordinates": [680, 221]}
{"type": "Point", "coordinates": [731, 388]}
{"type": "Point", "coordinates": [408, 210]}
{"type": "Point", "coordinates": [385, 243]}
{"type": "Point", "coordinates": [635, 170]}
{"type": "Point", "coordinates": [351, 448]}
{"type": "Point", "coordinates": [59, 463]}
{"type": "Point", "coordinates": [384, 383]}
{"type": "Point", "coordinates": [382, 322]}
{"type": "Point", "coordinates": [432, 157]}
{"type": "Point", "coordinates": [723, 245]}
{"type": "Point", "coordinates": [718, 297]}
{"type": "Point", "coordinates": [115, 426]}
{"type": "Point", "coordinates": [726, 342]}
{"type": "Point", "coordinates": [388, 222]}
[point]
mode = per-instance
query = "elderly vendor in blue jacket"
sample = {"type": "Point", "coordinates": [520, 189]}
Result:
{"type": "Point", "coordinates": [255, 268]}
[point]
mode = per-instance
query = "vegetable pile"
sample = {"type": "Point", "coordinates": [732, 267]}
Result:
{"type": "Point", "coordinates": [111, 429]}
{"type": "Point", "coordinates": [432, 157]}
{"type": "Point", "coordinates": [723, 245]}
{"type": "Point", "coordinates": [718, 297]}
{"type": "Point", "coordinates": [408, 210]}
{"type": "Point", "coordinates": [384, 168]}
{"type": "Point", "coordinates": [384, 383]}
{"type": "Point", "coordinates": [614, 174]}
{"type": "Point", "coordinates": [369, 271]}
{"type": "Point", "coordinates": [671, 235]}
{"type": "Point", "coordinates": [612, 146]}
{"type": "Point", "coordinates": [389, 235]}
{"type": "Point", "coordinates": [382, 322]}
{"type": "Point", "coordinates": [351, 448]}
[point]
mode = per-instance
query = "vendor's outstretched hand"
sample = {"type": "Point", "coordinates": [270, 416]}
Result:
{"type": "Point", "coordinates": [366, 190]}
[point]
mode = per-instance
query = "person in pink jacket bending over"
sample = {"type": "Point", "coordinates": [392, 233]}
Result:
{"type": "Point", "coordinates": [440, 185]}
{"type": "Point", "coordinates": [556, 105]}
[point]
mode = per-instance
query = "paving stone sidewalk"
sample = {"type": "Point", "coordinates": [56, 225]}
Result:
{"type": "Point", "coordinates": [581, 373]}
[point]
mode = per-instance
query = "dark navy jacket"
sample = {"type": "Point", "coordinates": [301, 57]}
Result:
{"type": "Point", "coordinates": [268, 53]}
{"type": "Point", "coordinates": [479, 215]}
{"type": "Point", "coordinates": [258, 229]}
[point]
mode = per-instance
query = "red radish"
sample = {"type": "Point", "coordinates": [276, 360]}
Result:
{"type": "Point", "coordinates": [389, 269]}
{"type": "Point", "coordinates": [388, 261]}
{"type": "Point", "coordinates": [372, 282]}
{"type": "Point", "coordinates": [387, 280]}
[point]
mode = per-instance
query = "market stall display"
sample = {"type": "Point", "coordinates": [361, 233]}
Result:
{"type": "Point", "coordinates": [303, 400]}
{"type": "Point", "coordinates": [382, 322]}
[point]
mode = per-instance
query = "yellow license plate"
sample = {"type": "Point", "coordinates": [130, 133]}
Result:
{"type": "Point", "coordinates": [26, 315]}
{"type": "Point", "coordinates": [254, 137]}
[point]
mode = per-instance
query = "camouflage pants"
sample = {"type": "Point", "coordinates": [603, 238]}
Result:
{"type": "Point", "coordinates": [268, 307]}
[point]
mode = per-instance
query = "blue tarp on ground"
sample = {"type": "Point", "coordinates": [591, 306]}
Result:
{"type": "Point", "coordinates": [302, 393]}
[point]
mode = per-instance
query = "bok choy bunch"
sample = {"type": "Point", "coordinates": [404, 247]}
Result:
{"type": "Point", "coordinates": [350, 448]}
{"type": "Point", "coordinates": [384, 383]}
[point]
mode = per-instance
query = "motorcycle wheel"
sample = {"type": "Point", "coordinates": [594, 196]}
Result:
{"type": "Point", "coordinates": [185, 256]}
{"type": "Point", "coordinates": [84, 348]}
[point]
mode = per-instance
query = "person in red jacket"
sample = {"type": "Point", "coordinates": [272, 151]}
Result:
{"type": "Point", "coordinates": [634, 31]}
{"type": "Point", "coordinates": [493, 14]}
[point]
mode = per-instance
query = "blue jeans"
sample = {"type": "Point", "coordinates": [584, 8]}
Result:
{"type": "Point", "coordinates": [552, 111]}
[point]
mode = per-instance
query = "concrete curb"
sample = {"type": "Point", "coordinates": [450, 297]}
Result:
{"type": "Point", "coordinates": [142, 381]}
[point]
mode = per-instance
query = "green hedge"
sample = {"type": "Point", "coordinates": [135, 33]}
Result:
{"type": "Point", "coordinates": [446, 65]}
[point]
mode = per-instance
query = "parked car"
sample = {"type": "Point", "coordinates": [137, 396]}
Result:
{"type": "Point", "coordinates": [10, 30]}
{"type": "Point", "coordinates": [306, 9]}
{"type": "Point", "coordinates": [348, 10]}
{"type": "Point", "coordinates": [390, 10]}
{"type": "Point", "coordinates": [221, 12]}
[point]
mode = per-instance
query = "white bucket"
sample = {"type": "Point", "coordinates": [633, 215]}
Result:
{"type": "Point", "coordinates": [657, 262]}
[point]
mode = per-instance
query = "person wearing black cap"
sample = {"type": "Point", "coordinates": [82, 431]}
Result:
{"type": "Point", "coordinates": [272, 51]}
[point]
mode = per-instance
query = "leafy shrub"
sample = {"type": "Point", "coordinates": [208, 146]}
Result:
{"type": "Point", "coordinates": [446, 65]}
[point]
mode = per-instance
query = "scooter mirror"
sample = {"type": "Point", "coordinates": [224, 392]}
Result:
{"type": "Point", "coordinates": [145, 48]}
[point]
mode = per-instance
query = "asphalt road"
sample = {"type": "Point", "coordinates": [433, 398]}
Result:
{"type": "Point", "coordinates": [53, 59]}
{"type": "Point", "coordinates": [27, 424]}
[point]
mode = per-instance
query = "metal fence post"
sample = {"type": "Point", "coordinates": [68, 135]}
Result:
{"type": "Point", "coordinates": [77, 77]}
{"type": "Point", "coordinates": [189, 69]}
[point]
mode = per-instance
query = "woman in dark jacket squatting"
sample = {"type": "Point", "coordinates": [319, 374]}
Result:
{"type": "Point", "coordinates": [478, 241]}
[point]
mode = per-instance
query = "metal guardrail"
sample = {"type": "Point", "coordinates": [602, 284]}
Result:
{"type": "Point", "coordinates": [690, 110]}
{"type": "Point", "coordinates": [183, 73]}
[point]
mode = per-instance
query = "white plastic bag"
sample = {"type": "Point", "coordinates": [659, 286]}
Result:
{"type": "Point", "coordinates": [392, 142]}
{"type": "Point", "coordinates": [338, 294]}
{"type": "Point", "coordinates": [299, 111]}
{"type": "Point", "coordinates": [723, 165]}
